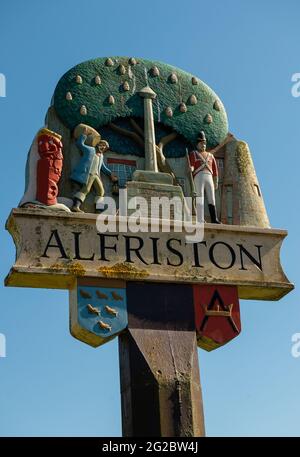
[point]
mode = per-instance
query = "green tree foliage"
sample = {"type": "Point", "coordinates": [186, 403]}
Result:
{"type": "Point", "coordinates": [99, 91]}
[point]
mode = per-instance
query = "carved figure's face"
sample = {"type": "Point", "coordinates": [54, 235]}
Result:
{"type": "Point", "coordinates": [201, 146]}
{"type": "Point", "coordinates": [102, 147]}
{"type": "Point", "coordinates": [48, 143]}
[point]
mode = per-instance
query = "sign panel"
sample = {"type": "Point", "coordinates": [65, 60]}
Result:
{"type": "Point", "coordinates": [54, 249]}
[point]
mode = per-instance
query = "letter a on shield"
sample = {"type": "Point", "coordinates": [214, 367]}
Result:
{"type": "Point", "coordinates": [217, 313]}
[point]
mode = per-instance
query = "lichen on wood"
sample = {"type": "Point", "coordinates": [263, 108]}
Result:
{"type": "Point", "coordinates": [122, 270]}
{"type": "Point", "coordinates": [76, 269]}
{"type": "Point", "coordinates": [242, 157]}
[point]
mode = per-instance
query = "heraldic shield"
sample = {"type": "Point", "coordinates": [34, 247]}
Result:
{"type": "Point", "coordinates": [98, 313]}
{"type": "Point", "coordinates": [217, 315]}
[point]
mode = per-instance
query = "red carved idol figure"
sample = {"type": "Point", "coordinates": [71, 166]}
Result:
{"type": "Point", "coordinates": [49, 166]}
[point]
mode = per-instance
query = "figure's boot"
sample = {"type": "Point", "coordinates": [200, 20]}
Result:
{"type": "Point", "coordinates": [213, 214]}
{"type": "Point", "coordinates": [76, 206]}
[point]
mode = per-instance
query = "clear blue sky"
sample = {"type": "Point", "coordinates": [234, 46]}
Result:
{"type": "Point", "coordinates": [247, 51]}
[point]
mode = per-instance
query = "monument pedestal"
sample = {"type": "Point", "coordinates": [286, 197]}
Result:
{"type": "Point", "coordinates": [149, 184]}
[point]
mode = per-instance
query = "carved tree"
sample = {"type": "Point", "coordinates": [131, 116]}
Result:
{"type": "Point", "coordinates": [138, 137]}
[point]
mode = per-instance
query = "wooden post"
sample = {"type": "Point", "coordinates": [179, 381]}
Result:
{"type": "Point", "coordinates": [160, 382]}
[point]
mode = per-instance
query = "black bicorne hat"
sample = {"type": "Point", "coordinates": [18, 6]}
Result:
{"type": "Point", "coordinates": [201, 136]}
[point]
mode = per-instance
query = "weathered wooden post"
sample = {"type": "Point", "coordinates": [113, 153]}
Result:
{"type": "Point", "coordinates": [160, 382]}
{"type": "Point", "coordinates": [160, 291]}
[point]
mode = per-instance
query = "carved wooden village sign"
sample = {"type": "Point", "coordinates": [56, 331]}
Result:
{"type": "Point", "coordinates": [124, 126]}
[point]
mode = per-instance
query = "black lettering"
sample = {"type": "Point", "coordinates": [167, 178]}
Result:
{"type": "Point", "coordinates": [155, 251]}
{"type": "Point", "coordinates": [77, 248]}
{"type": "Point", "coordinates": [256, 262]}
{"type": "Point", "coordinates": [103, 247]}
{"type": "Point", "coordinates": [212, 258]}
{"type": "Point", "coordinates": [58, 245]}
{"type": "Point", "coordinates": [130, 249]}
{"type": "Point", "coordinates": [196, 254]}
{"type": "Point", "coordinates": [174, 251]}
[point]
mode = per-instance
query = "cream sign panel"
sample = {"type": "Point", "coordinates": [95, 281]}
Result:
{"type": "Point", "coordinates": [228, 255]}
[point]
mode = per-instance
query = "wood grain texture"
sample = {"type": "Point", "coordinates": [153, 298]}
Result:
{"type": "Point", "coordinates": [160, 382]}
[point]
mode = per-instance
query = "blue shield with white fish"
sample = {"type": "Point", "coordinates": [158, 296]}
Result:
{"type": "Point", "coordinates": [97, 313]}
